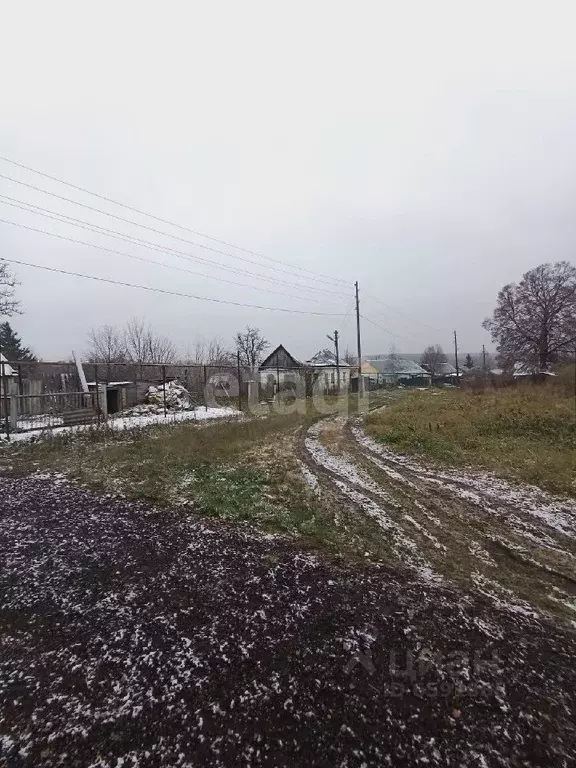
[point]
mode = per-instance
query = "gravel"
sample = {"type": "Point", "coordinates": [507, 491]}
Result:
{"type": "Point", "coordinates": [136, 637]}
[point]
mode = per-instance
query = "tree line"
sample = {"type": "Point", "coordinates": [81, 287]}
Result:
{"type": "Point", "coordinates": [138, 342]}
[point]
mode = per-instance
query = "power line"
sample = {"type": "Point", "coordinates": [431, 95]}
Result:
{"type": "Point", "coordinates": [381, 327]}
{"type": "Point", "coordinates": [163, 221]}
{"type": "Point", "coordinates": [81, 224]}
{"type": "Point", "coordinates": [165, 291]}
{"type": "Point", "coordinates": [401, 314]}
{"type": "Point", "coordinates": [150, 261]}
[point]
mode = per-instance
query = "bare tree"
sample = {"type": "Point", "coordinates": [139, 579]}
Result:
{"type": "Point", "coordinates": [106, 345]}
{"type": "Point", "coordinates": [217, 353]}
{"type": "Point", "coordinates": [145, 346]}
{"type": "Point", "coordinates": [211, 352]}
{"type": "Point", "coordinates": [349, 357]}
{"type": "Point", "coordinates": [9, 305]}
{"type": "Point", "coordinates": [251, 345]}
{"type": "Point", "coordinates": [432, 359]}
{"type": "Point", "coordinates": [535, 321]}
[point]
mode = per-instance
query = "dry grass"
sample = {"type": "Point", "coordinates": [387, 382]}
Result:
{"type": "Point", "coordinates": [246, 472]}
{"type": "Point", "coordinates": [526, 432]}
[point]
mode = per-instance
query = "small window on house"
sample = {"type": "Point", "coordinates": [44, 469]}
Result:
{"type": "Point", "coordinates": [344, 376]}
{"type": "Point", "coordinates": [326, 378]}
{"type": "Point", "coordinates": [332, 378]}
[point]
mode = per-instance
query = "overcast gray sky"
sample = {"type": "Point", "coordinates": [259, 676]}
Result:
{"type": "Point", "coordinates": [426, 150]}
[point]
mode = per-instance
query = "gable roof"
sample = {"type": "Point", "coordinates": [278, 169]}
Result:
{"type": "Point", "coordinates": [326, 358]}
{"type": "Point", "coordinates": [280, 358]}
{"type": "Point", "coordinates": [6, 369]}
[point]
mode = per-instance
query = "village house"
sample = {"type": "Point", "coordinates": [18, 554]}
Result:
{"type": "Point", "coordinates": [279, 369]}
{"type": "Point", "coordinates": [391, 369]}
{"type": "Point", "coordinates": [328, 372]}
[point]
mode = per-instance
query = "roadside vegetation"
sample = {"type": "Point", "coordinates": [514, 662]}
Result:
{"type": "Point", "coordinates": [245, 472]}
{"type": "Point", "coordinates": [526, 433]}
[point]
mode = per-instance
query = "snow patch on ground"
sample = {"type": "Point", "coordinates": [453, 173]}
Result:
{"type": "Point", "coordinates": [135, 422]}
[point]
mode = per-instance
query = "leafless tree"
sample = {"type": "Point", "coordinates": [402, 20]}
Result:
{"type": "Point", "coordinates": [534, 322]}
{"type": "Point", "coordinates": [106, 345]}
{"type": "Point", "coordinates": [145, 346]}
{"type": "Point", "coordinates": [432, 359]}
{"type": "Point", "coordinates": [251, 345]}
{"type": "Point", "coordinates": [349, 357]}
{"type": "Point", "coordinates": [217, 353]}
{"type": "Point", "coordinates": [9, 305]}
{"type": "Point", "coordinates": [211, 352]}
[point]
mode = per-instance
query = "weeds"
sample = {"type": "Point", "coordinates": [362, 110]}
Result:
{"type": "Point", "coordinates": [526, 432]}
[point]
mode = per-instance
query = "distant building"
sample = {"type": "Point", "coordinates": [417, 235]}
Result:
{"type": "Point", "coordinates": [279, 368]}
{"type": "Point", "coordinates": [527, 371]}
{"type": "Point", "coordinates": [326, 370]}
{"type": "Point", "coordinates": [5, 368]}
{"type": "Point", "coordinates": [391, 369]}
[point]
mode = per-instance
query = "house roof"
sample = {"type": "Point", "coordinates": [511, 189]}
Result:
{"type": "Point", "coordinates": [280, 358]}
{"type": "Point", "coordinates": [446, 369]}
{"type": "Point", "coordinates": [525, 369]}
{"type": "Point", "coordinates": [6, 369]}
{"type": "Point", "coordinates": [397, 366]}
{"type": "Point", "coordinates": [326, 358]}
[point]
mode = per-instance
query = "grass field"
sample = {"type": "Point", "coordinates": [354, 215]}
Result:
{"type": "Point", "coordinates": [527, 433]}
{"type": "Point", "coordinates": [246, 471]}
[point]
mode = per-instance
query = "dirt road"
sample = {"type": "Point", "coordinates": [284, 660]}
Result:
{"type": "Point", "coordinates": [516, 546]}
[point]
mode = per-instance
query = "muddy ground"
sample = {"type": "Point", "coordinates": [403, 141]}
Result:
{"type": "Point", "coordinates": [133, 637]}
{"type": "Point", "coordinates": [516, 545]}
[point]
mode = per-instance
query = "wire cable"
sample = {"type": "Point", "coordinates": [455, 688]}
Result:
{"type": "Point", "coordinates": [156, 263]}
{"type": "Point", "coordinates": [165, 291]}
{"type": "Point", "coordinates": [80, 224]}
{"type": "Point", "coordinates": [163, 221]}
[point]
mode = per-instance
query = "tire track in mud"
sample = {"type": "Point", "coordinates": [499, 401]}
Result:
{"type": "Point", "coordinates": [443, 525]}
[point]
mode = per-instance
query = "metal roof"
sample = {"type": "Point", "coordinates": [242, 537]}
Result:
{"type": "Point", "coordinates": [326, 358]}
{"type": "Point", "coordinates": [397, 366]}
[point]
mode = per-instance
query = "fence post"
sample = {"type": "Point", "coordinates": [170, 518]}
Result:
{"type": "Point", "coordinates": [239, 381]}
{"type": "Point", "coordinates": [205, 383]}
{"type": "Point", "coordinates": [164, 387]}
{"type": "Point", "coordinates": [96, 392]}
{"type": "Point", "coordinates": [13, 405]}
{"type": "Point", "coordinates": [6, 411]}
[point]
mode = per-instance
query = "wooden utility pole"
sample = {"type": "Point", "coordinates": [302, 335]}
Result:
{"type": "Point", "coordinates": [335, 340]}
{"type": "Point", "coordinates": [483, 358]}
{"type": "Point", "coordinates": [239, 380]}
{"type": "Point", "coordinates": [358, 342]}
{"type": "Point", "coordinates": [456, 357]}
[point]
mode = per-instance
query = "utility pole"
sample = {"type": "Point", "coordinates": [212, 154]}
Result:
{"type": "Point", "coordinates": [358, 342]}
{"type": "Point", "coordinates": [456, 356]}
{"type": "Point", "coordinates": [335, 340]}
